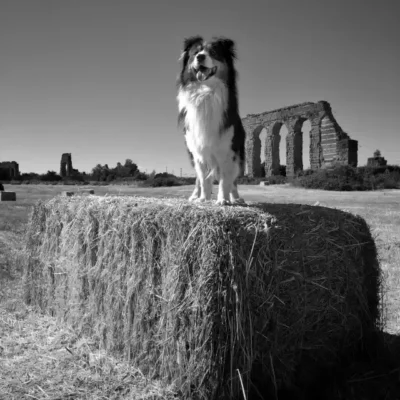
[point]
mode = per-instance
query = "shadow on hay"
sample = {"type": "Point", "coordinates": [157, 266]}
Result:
{"type": "Point", "coordinates": [374, 352]}
{"type": "Point", "coordinates": [367, 376]}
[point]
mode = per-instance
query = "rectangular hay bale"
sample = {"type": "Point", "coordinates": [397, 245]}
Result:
{"type": "Point", "coordinates": [204, 296]}
{"type": "Point", "coordinates": [8, 196]}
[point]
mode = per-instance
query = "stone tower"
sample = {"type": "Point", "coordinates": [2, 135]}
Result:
{"type": "Point", "coordinates": [66, 165]}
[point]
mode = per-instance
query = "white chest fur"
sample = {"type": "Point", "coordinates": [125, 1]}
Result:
{"type": "Point", "coordinates": [205, 104]}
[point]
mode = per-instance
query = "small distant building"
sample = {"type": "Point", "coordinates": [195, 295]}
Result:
{"type": "Point", "coordinates": [377, 160]}
{"type": "Point", "coordinates": [9, 170]}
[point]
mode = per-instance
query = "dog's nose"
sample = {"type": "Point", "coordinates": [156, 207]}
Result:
{"type": "Point", "coordinates": [201, 57]}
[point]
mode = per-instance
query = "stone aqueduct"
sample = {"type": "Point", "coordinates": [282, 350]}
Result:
{"type": "Point", "coordinates": [328, 143]}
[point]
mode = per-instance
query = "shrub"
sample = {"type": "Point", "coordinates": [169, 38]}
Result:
{"type": "Point", "coordinates": [247, 180]}
{"type": "Point", "coordinates": [277, 179]}
{"type": "Point", "coordinates": [161, 181]}
{"type": "Point", "coordinates": [191, 180]}
{"type": "Point", "coordinates": [50, 176]}
{"type": "Point", "coordinates": [346, 178]}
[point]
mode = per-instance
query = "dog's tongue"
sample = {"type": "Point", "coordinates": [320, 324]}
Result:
{"type": "Point", "coordinates": [202, 75]}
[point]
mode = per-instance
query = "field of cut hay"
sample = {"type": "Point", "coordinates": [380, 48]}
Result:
{"type": "Point", "coordinates": [235, 302]}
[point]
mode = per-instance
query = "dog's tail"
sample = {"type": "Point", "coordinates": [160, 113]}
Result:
{"type": "Point", "coordinates": [213, 173]}
{"type": "Point", "coordinates": [214, 169]}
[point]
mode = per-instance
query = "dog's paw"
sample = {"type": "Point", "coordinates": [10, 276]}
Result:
{"type": "Point", "coordinates": [223, 202]}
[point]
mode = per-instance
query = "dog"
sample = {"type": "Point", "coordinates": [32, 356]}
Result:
{"type": "Point", "coordinates": [209, 117]}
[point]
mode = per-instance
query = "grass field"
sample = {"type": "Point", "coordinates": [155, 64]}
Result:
{"type": "Point", "coordinates": [41, 359]}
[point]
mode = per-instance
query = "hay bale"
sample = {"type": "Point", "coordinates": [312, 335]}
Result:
{"type": "Point", "coordinates": [67, 194]}
{"type": "Point", "coordinates": [264, 183]}
{"type": "Point", "coordinates": [205, 296]}
{"type": "Point", "coordinates": [8, 196]}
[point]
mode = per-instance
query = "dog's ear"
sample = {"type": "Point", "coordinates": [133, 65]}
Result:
{"type": "Point", "coordinates": [189, 42]}
{"type": "Point", "coordinates": [227, 46]}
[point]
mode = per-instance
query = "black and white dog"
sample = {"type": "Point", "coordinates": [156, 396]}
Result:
{"type": "Point", "coordinates": [209, 116]}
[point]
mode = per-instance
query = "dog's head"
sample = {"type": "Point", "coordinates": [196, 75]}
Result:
{"type": "Point", "coordinates": [203, 61]}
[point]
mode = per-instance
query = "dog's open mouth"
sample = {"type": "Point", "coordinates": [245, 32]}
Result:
{"type": "Point", "coordinates": [204, 73]}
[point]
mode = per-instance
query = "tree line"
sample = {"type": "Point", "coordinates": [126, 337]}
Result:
{"type": "Point", "coordinates": [100, 173]}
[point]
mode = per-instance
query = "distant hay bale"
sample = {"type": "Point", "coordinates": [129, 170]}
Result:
{"type": "Point", "coordinates": [206, 296]}
{"type": "Point", "coordinates": [8, 196]}
{"type": "Point", "coordinates": [67, 194]}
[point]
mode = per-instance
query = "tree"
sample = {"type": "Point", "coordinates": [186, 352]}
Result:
{"type": "Point", "coordinates": [377, 153]}
{"type": "Point", "coordinates": [96, 172]}
{"type": "Point", "coordinates": [50, 176]}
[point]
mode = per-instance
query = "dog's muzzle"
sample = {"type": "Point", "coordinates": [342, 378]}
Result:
{"type": "Point", "coordinates": [204, 73]}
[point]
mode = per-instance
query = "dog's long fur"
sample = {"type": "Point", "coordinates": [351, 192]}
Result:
{"type": "Point", "coordinates": [209, 116]}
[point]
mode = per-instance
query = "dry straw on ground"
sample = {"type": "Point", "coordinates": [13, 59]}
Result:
{"type": "Point", "coordinates": [207, 298]}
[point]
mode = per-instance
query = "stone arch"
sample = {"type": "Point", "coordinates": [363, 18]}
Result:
{"type": "Point", "coordinates": [299, 139]}
{"type": "Point", "coordinates": [263, 140]}
{"type": "Point", "coordinates": [306, 129]}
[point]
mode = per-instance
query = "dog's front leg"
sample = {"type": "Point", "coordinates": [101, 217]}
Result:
{"type": "Point", "coordinates": [234, 195]}
{"type": "Point", "coordinates": [205, 184]}
{"type": "Point", "coordinates": [224, 188]}
{"type": "Point", "coordinates": [229, 173]}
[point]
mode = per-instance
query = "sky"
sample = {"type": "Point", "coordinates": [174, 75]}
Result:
{"type": "Point", "coordinates": [97, 78]}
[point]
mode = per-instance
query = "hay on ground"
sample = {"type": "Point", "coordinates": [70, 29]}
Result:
{"type": "Point", "coordinates": [204, 297]}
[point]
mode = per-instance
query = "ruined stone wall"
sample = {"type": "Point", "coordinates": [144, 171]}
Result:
{"type": "Point", "coordinates": [328, 143]}
{"type": "Point", "coordinates": [9, 170]}
{"type": "Point", "coordinates": [347, 152]}
{"type": "Point", "coordinates": [66, 165]}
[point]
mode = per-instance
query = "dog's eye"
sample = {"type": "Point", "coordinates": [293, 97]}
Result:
{"type": "Point", "coordinates": [197, 49]}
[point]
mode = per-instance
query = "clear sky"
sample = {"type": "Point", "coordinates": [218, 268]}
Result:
{"type": "Point", "coordinates": [96, 78]}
